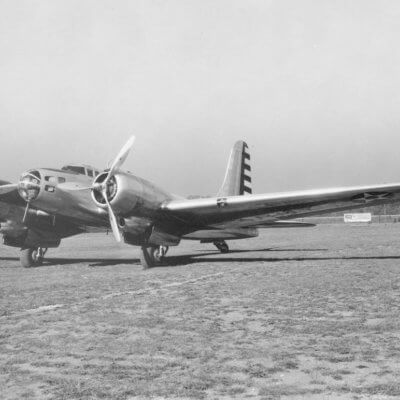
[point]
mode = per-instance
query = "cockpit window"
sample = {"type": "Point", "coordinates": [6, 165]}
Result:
{"type": "Point", "coordinates": [75, 168]}
{"type": "Point", "coordinates": [81, 170]}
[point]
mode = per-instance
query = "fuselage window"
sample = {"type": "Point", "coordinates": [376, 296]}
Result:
{"type": "Point", "coordinates": [49, 188]}
{"type": "Point", "coordinates": [51, 179]}
{"type": "Point", "coordinates": [61, 179]}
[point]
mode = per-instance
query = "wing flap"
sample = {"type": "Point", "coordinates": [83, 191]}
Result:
{"type": "Point", "coordinates": [285, 224]}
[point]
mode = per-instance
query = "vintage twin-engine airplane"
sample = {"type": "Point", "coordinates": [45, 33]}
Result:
{"type": "Point", "coordinates": [47, 205]}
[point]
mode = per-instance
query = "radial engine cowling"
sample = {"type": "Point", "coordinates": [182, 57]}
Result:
{"type": "Point", "coordinates": [123, 192]}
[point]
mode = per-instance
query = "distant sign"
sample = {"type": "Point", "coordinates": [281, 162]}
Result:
{"type": "Point", "coordinates": [358, 217]}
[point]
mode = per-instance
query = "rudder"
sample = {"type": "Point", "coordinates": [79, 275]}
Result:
{"type": "Point", "coordinates": [237, 179]}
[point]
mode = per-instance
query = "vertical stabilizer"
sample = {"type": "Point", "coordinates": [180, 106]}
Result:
{"type": "Point", "coordinates": [237, 179]}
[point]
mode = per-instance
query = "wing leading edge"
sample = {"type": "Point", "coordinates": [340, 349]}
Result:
{"type": "Point", "coordinates": [256, 210]}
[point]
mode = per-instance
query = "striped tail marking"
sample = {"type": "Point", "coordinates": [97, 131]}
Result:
{"type": "Point", "coordinates": [245, 178]}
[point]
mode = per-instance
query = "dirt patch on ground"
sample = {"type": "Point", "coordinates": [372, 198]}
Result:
{"type": "Point", "coordinates": [294, 314]}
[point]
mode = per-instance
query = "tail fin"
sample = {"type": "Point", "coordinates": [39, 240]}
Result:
{"type": "Point", "coordinates": [237, 179]}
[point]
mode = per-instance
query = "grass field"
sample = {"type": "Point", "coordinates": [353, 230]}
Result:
{"type": "Point", "coordinates": [293, 314]}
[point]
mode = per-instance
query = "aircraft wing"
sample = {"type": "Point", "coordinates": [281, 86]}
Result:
{"type": "Point", "coordinates": [261, 209]}
{"type": "Point", "coordinates": [7, 187]}
{"type": "Point", "coordinates": [9, 194]}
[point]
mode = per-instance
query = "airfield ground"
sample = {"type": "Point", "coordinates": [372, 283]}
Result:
{"type": "Point", "coordinates": [295, 314]}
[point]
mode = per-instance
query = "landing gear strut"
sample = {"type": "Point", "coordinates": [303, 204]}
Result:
{"type": "Point", "coordinates": [152, 256]}
{"type": "Point", "coordinates": [32, 257]}
{"type": "Point", "coordinates": [221, 245]}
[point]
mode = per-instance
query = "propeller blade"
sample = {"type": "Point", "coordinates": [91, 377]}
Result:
{"type": "Point", "coordinates": [120, 159]}
{"type": "Point", "coordinates": [102, 187]}
{"type": "Point", "coordinates": [114, 225]}
{"type": "Point", "coordinates": [25, 212]}
{"type": "Point", "coordinates": [113, 219]}
{"type": "Point", "coordinates": [8, 188]}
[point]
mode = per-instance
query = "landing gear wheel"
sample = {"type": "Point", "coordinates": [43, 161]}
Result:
{"type": "Point", "coordinates": [222, 246]}
{"type": "Point", "coordinates": [152, 256]}
{"type": "Point", "coordinates": [32, 257]}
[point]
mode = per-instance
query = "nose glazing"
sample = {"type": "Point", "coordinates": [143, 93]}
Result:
{"type": "Point", "coordinates": [29, 185]}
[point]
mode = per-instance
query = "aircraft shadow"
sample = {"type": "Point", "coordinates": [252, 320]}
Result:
{"type": "Point", "coordinates": [202, 257]}
{"type": "Point", "coordinates": [258, 250]}
{"type": "Point", "coordinates": [193, 259]}
{"type": "Point", "coordinates": [94, 262]}
{"type": "Point", "coordinates": [104, 262]}
{"type": "Point", "coordinates": [175, 260]}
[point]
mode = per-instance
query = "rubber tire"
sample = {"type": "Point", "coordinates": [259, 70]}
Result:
{"type": "Point", "coordinates": [146, 258]}
{"type": "Point", "coordinates": [27, 258]}
{"type": "Point", "coordinates": [222, 246]}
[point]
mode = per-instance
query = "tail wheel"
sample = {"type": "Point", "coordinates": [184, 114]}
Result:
{"type": "Point", "coordinates": [32, 257]}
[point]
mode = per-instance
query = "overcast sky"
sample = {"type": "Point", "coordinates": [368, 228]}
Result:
{"type": "Point", "coordinates": [312, 86]}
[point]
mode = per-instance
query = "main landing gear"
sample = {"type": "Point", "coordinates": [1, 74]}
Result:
{"type": "Point", "coordinates": [221, 245]}
{"type": "Point", "coordinates": [152, 256]}
{"type": "Point", "coordinates": [32, 257]}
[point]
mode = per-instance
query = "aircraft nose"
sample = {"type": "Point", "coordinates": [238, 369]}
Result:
{"type": "Point", "coordinates": [29, 185]}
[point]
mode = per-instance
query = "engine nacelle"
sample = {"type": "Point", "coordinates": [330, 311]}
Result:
{"type": "Point", "coordinates": [129, 195]}
{"type": "Point", "coordinates": [30, 238]}
{"type": "Point", "coordinates": [142, 232]}
{"type": "Point", "coordinates": [123, 191]}
{"type": "Point", "coordinates": [160, 237]}
{"type": "Point", "coordinates": [136, 231]}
